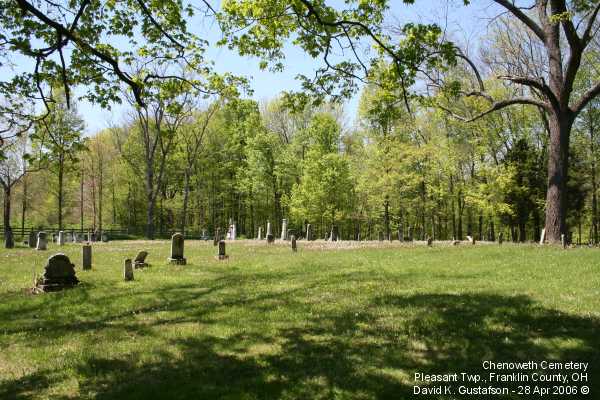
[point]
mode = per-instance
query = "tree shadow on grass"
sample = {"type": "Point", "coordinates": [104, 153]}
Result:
{"type": "Point", "coordinates": [368, 352]}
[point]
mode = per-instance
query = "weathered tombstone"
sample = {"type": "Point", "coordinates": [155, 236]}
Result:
{"type": "Point", "coordinates": [104, 237]}
{"type": "Point", "coordinates": [87, 256]}
{"type": "Point", "coordinates": [471, 239]}
{"type": "Point", "coordinates": [177, 249]}
{"type": "Point", "coordinates": [259, 237]}
{"type": "Point", "coordinates": [9, 240]}
{"type": "Point", "coordinates": [90, 237]}
{"type": "Point", "coordinates": [233, 231]}
{"type": "Point", "coordinates": [294, 247]}
{"type": "Point", "coordinates": [41, 241]}
{"type": "Point", "coordinates": [563, 240]}
{"type": "Point", "coordinates": [32, 239]}
{"type": "Point", "coordinates": [543, 236]}
{"type": "Point", "coordinates": [334, 235]}
{"type": "Point", "coordinates": [217, 236]}
{"type": "Point", "coordinates": [500, 238]}
{"type": "Point", "coordinates": [309, 233]}
{"type": "Point", "coordinates": [59, 273]}
{"type": "Point", "coordinates": [222, 254]}
{"type": "Point", "coordinates": [284, 224]}
{"type": "Point", "coordinates": [140, 260]}
{"type": "Point", "coordinates": [270, 237]}
{"type": "Point", "coordinates": [61, 238]}
{"type": "Point", "coordinates": [429, 241]}
{"type": "Point", "coordinates": [127, 270]}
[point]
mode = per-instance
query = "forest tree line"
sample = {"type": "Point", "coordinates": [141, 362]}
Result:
{"type": "Point", "coordinates": [198, 165]}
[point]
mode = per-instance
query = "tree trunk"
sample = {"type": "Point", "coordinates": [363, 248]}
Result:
{"type": "Point", "coordinates": [81, 200]}
{"type": "Point", "coordinates": [558, 167]}
{"type": "Point", "coordinates": [186, 195]}
{"type": "Point", "coordinates": [386, 219]}
{"type": "Point", "coordinates": [9, 242]}
{"type": "Point", "coordinates": [61, 170]}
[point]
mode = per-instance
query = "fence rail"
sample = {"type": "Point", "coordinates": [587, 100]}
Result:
{"type": "Point", "coordinates": [112, 233]}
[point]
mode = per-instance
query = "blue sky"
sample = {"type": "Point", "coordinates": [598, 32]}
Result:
{"type": "Point", "coordinates": [464, 24]}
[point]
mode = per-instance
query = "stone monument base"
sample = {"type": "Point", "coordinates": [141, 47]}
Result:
{"type": "Point", "coordinates": [177, 261]}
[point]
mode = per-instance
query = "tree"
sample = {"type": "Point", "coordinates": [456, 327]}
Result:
{"type": "Point", "coordinates": [59, 141]}
{"type": "Point", "coordinates": [13, 167]}
{"type": "Point", "coordinates": [563, 31]}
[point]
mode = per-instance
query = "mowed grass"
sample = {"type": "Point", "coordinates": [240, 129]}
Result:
{"type": "Point", "coordinates": [271, 324]}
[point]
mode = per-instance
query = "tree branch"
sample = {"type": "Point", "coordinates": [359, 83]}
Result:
{"type": "Point", "coordinates": [521, 16]}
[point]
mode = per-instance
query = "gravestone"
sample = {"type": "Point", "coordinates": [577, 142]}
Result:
{"type": "Point", "coordinates": [41, 241]}
{"type": "Point", "coordinates": [500, 238]}
{"type": "Point", "coordinates": [259, 233]}
{"type": "Point", "coordinates": [127, 270]}
{"type": "Point", "coordinates": [294, 247]}
{"type": "Point", "coordinates": [59, 274]}
{"type": "Point", "coordinates": [222, 254]}
{"type": "Point", "coordinates": [217, 236]}
{"type": "Point", "coordinates": [563, 240]}
{"type": "Point", "coordinates": [429, 241]}
{"type": "Point", "coordinates": [334, 235]}
{"type": "Point", "coordinates": [177, 242]}
{"type": "Point", "coordinates": [309, 233]}
{"type": "Point", "coordinates": [9, 240]}
{"type": "Point", "coordinates": [90, 237]}
{"type": "Point", "coordinates": [86, 250]}
{"type": "Point", "coordinates": [61, 238]}
{"type": "Point", "coordinates": [543, 236]}
{"type": "Point", "coordinates": [290, 232]}
{"type": "Point", "coordinates": [270, 237]}
{"type": "Point", "coordinates": [471, 239]}
{"type": "Point", "coordinates": [140, 260]}
{"type": "Point", "coordinates": [233, 231]}
{"type": "Point", "coordinates": [104, 237]}
{"type": "Point", "coordinates": [32, 239]}
{"type": "Point", "coordinates": [284, 228]}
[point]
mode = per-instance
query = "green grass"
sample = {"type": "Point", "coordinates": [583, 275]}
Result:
{"type": "Point", "coordinates": [267, 324]}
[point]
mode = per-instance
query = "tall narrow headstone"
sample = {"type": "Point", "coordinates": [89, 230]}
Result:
{"type": "Point", "coordinates": [41, 241]}
{"type": "Point", "coordinates": [543, 236]}
{"type": "Point", "coordinates": [284, 228]}
{"type": "Point", "coordinates": [86, 250]}
{"type": "Point", "coordinates": [222, 254]}
{"type": "Point", "coordinates": [90, 237]}
{"type": "Point", "coordinates": [32, 239]}
{"type": "Point", "coordinates": [334, 235]}
{"type": "Point", "coordinates": [563, 240]}
{"type": "Point", "coordinates": [9, 240]}
{"type": "Point", "coordinates": [127, 270]}
{"type": "Point", "coordinates": [294, 247]}
{"type": "Point", "coordinates": [217, 236]}
{"type": "Point", "coordinates": [270, 237]}
{"type": "Point", "coordinates": [61, 238]}
{"type": "Point", "coordinates": [309, 233]}
{"type": "Point", "coordinates": [233, 231]}
{"type": "Point", "coordinates": [500, 238]}
{"type": "Point", "coordinates": [177, 242]}
{"type": "Point", "coordinates": [259, 237]}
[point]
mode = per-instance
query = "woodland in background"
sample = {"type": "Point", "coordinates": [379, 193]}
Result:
{"type": "Point", "coordinates": [194, 168]}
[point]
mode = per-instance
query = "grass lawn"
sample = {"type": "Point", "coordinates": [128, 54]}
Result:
{"type": "Point", "coordinates": [269, 324]}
